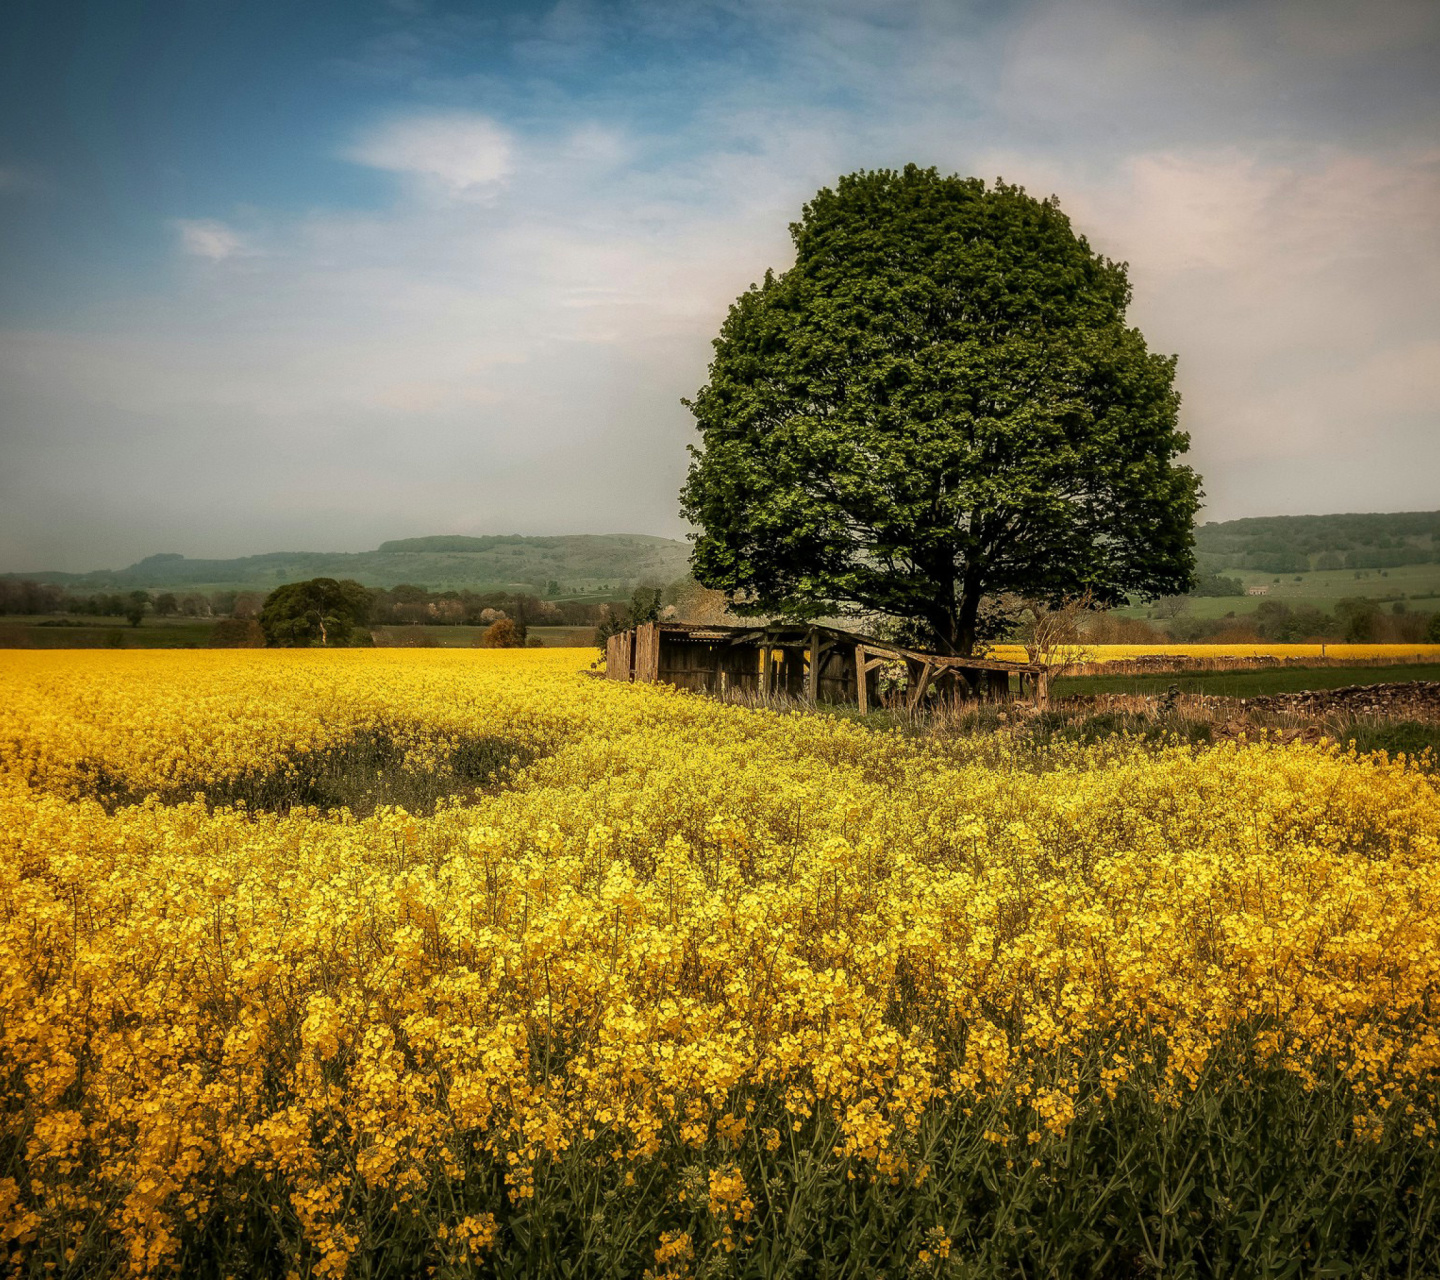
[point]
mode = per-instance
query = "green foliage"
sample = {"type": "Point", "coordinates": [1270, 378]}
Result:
{"type": "Point", "coordinates": [1212, 584]}
{"type": "Point", "coordinates": [135, 605]}
{"type": "Point", "coordinates": [321, 611]}
{"type": "Point", "coordinates": [941, 402]}
{"type": "Point", "coordinates": [1247, 1174]}
{"type": "Point", "coordinates": [1360, 619]}
{"type": "Point", "coordinates": [1293, 544]}
{"type": "Point", "coordinates": [644, 606]}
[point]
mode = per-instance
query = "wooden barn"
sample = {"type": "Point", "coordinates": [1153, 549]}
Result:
{"type": "Point", "coordinates": [817, 664]}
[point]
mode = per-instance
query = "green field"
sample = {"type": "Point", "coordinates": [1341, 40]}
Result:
{"type": "Point", "coordinates": [1246, 684]}
{"type": "Point", "coordinates": [104, 633]}
{"type": "Point", "coordinates": [30, 632]}
{"type": "Point", "coordinates": [1417, 586]}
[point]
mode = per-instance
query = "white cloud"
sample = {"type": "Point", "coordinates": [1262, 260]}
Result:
{"type": "Point", "coordinates": [465, 361]}
{"type": "Point", "coordinates": [458, 152]}
{"type": "Point", "coordinates": [207, 238]}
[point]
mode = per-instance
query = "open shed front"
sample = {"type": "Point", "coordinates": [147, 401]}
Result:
{"type": "Point", "coordinates": [816, 664]}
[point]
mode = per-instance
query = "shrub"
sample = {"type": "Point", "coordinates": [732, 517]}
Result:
{"type": "Point", "coordinates": [500, 635]}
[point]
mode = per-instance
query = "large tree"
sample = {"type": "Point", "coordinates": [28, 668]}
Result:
{"type": "Point", "coordinates": [321, 611]}
{"type": "Point", "coordinates": [938, 405]}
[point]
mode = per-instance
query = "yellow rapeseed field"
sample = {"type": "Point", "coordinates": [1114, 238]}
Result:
{"type": "Point", "coordinates": [675, 959]}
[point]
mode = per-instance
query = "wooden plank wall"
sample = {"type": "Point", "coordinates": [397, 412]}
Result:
{"type": "Point", "coordinates": [647, 653]}
{"type": "Point", "coordinates": [620, 656]}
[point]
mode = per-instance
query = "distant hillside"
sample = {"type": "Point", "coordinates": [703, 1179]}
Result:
{"type": "Point", "coordinates": [1297, 544]}
{"type": "Point", "coordinates": [576, 565]}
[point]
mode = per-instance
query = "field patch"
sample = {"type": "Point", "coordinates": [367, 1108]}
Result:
{"type": "Point", "coordinates": [702, 989]}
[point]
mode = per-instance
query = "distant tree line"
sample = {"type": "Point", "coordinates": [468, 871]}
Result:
{"type": "Point", "coordinates": [407, 605]}
{"type": "Point", "coordinates": [1297, 544]}
{"type": "Point", "coordinates": [337, 612]}
{"type": "Point", "coordinates": [23, 596]}
{"type": "Point", "coordinates": [1354, 621]}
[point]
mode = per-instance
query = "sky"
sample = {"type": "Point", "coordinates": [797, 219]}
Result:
{"type": "Point", "coordinates": [280, 276]}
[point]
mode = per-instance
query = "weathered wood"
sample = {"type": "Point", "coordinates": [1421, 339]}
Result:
{"type": "Point", "coordinates": [718, 659]}
{"type": "Point", "coordinates": [1042, 688]}
{"type": "Point", "coordinates": [619, 651]}
{"type": "Point", "coordinates": [647, 653]}
{"type": "Point", "coordinates": [921, 685]}
{"type": "Point", "coordinates": [997, 685]}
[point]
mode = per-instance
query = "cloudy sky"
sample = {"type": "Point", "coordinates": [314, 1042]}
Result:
{"type": "Point", "coordinates": [308, 276]}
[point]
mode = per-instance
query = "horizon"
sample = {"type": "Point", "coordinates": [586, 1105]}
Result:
{"type": "Point", "coordinates": [376, 550]}
{"type": "Point", "coordinates": [279, 276]}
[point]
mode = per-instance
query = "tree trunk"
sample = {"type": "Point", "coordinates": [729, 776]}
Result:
{"type": "Point", "coordinates": [968, 619]}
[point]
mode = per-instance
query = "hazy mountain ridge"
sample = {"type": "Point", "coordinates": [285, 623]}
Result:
{"type": "Point", "coordinates": [577, 563]}
{"type": "Point", "coordinates": [584, 563]}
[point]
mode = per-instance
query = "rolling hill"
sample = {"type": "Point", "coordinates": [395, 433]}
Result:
{"type": "Point", "coordinates": [1298, 544]}
{"type": "Point", "coordinates": [1330, 546]}
{"type": "Point", "coordinates": [578, 565]}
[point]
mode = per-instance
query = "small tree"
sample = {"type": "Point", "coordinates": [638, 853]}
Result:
{"type": "Point", "coordinates": [1359, 618]}
{"type": "Point", "coordinates": [1051, 634]}
{"type": "Point", "coordinates": [135, 605]}
{"type": "Point", "coordinates": [321, 611]}
{"type": "Point", "coordinates": [645, 605]}
{"type": "Point", "coordinates": [501, 635]}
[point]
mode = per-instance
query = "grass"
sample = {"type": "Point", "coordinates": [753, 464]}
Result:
{"type": "Point", "coordinates": [1133, 716]}
{"type": "Point", "coordinates": [56, 632]}
{"type": "Point", "coordinates": [1245, 684]}
{"type": "Point", "coordinates": [1417, 584]}
{"type": "Point", "coordinates": [63, 632]}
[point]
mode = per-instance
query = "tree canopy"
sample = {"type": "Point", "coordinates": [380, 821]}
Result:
{"type": "Point", "coordinates": [321, 611]}
{"type": "Point", "coordinates": [938, 405]}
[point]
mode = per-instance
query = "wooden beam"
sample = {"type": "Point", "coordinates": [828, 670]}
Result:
{"type": "Point", "coordinates": [862, 675]}
{"type": "Point", "coordinates": [921, 685]}
{"type": "Point", "coordinates": [765, 672]}
{"type": "Point", "coordinates": [812, 676]}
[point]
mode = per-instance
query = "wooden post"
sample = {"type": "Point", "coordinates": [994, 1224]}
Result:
{"type": "Point", "coordinates": [765, 672]}
{"type": "Point", "coordinates": [1042, 689]}
{"type": "Point", "coordinates": [862, 694]}
{"type": "Point", "coordinates": [921, 685]}
{"type": "Point", "coordinates": [812, 676]}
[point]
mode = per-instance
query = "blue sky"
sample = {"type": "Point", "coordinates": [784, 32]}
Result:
{"type": "Point", "coordinates": [315, 275]}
